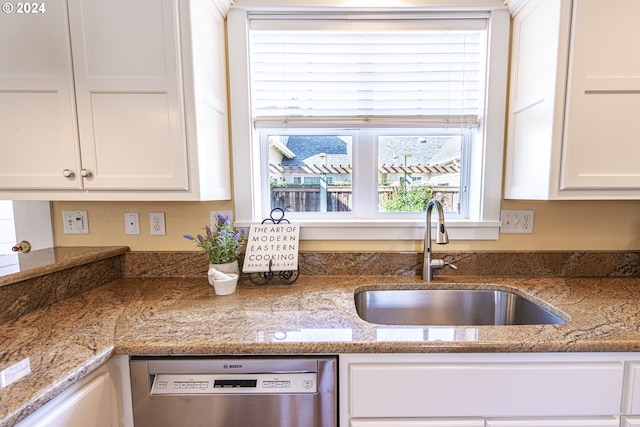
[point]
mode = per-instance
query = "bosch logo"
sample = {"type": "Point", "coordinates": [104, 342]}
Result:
{"type": "Point", "coordinates": [225, 366]}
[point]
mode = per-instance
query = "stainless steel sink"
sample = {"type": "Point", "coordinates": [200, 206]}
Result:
{"type": "Point", "coordinates": [451, 307]}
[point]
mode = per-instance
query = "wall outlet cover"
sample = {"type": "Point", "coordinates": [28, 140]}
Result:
{"type": "Point", "coordinates": [75, 222]}
{"type": "Point", "coordinates": [213, 216]}
{"type": "Point", "coordinates": [156, 223]}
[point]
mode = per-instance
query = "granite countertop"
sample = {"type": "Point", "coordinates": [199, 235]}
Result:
{"type": "Point", "coordinates": [68, 339]}
{"type": "Point", "coordinates": [46, 261]}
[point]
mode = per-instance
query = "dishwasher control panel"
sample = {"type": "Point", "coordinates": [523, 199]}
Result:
{"type": "Point", "coordinates": [268, 383]}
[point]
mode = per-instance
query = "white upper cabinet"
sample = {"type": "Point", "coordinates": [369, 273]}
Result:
{"type": "Point", "coordinates": [38, 130]}
{"type": "Point", "coordinates": [603, 98]}
{"type": "Point", "coordinates": [115, 102]}
{"type": "Point", "coordinates": [575, 95]}
{"type": "Point", "coordinates": [126, 62]}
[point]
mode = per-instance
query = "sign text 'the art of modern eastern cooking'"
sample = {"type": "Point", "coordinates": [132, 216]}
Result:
{"type": "Point", "coordinates": [271, 247]}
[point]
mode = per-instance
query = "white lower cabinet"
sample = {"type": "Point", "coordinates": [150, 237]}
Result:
{"type": "Point", "coordinates": [102, 399]}
{"type": "Point", "coordinates": [554, 422]}
{"type": "Point", "coordinates": [630, 422]}
{"type": "Point", "coordinates": [631, 395]}
{"type": "Point", "coordinates": [497, 422]}
{"type": "Point", "coordinates": [437, 422]}
{"type": "Point", "coordinates": [496, 390]}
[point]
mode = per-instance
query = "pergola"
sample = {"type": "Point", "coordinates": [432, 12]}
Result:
{"type": "Point", "coordinates": [340, 169]}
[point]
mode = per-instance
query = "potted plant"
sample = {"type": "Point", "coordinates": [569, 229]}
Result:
{"type": "Point", "coordinates": [222, 244]}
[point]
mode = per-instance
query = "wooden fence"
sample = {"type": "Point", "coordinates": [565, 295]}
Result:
{"type": "Point", "coordinates": [307, 198]}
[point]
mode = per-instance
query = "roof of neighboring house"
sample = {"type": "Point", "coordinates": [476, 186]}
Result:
{"type": "Point", "coordinates": [307, 151]}
{"type": "Point", "coordinates": [437, 150]}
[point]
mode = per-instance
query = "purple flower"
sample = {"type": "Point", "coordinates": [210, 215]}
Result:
{"type": "Point", "coordinates": [224, 219]}
{"type": "Point", "coordinates": [220, 241]}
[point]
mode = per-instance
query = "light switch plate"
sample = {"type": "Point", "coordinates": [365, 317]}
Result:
{"type": "Point", "coordinates": [75, 222]}
{"type": "Point", "coordinates": [516, 221]}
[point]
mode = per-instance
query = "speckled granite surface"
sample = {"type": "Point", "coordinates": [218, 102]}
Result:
{"type": "Point", "coordinates": [50, 275]}
{"type": "Point", "coordinates": [65, 340]}
{"type": "Point", "coordinates": [46, 261]}
{"type": "Point", "coordinates": [539, 264]}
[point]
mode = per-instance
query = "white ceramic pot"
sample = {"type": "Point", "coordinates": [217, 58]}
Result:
{"type": "Point", "coordinates": [230, 267]}
{"type": "Point", "coordinates": [224, 277]}
{"type": "Point", "coordinates": [224, 286]}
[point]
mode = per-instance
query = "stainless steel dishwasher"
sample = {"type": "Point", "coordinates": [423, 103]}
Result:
{"type": "Point", "coordinates": [234, 391]}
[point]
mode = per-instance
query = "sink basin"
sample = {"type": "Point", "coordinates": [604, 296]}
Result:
{"type": "Point", "coordinates": [450, 307]}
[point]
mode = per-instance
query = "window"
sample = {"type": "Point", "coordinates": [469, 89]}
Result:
{"type": "Point", "coordinates": [355, 123]}
{"type": "Point", "coordinates": [315, 174]}
{"type": "Point", "coordinates": [7, 228]}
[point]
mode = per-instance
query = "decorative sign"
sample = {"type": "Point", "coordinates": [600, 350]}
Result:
{"type": "Point", "coordinates": [271, 247]}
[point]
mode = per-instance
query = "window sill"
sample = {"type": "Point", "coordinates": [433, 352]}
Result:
{"type": "Point", "coordinates": [390, 229]}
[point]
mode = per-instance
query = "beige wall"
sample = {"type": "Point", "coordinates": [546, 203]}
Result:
{"type": "Point", "coordinates": [579, 225]}
{"type": "Point", "coordinates": [558, 225]}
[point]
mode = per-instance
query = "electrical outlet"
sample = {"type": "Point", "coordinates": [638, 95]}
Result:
{"type": "Point", "coordinates": [156, 223]}
{"type": "Point", "coordinates": [75, 222]}
{"type": "Point", "coordinates": [516, 221]}
{"type": "Point", "coordinates": [213, 216]}
{"type": "Point", "coordinates": [131, 223]}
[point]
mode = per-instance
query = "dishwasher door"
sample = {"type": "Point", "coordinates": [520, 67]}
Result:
{"type": "Point", "coordinates": [231, 391]}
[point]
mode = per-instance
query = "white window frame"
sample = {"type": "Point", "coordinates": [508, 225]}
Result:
{"type": "Point", "coordinates": [485, 170]}
{"type": "Point", "coordinates": [365, 173]}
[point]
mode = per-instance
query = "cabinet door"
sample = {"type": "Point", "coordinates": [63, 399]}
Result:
{"type": "Point", "coordinates": [631, 393]}
{"type": "Point", "coordinates": [38, 136]}
{"type": "Point", "coordinates": [630, 422]}
{"type": "Point", "coordinates": [600, 149]}
{"type": "Point", "coordinates": [536, 100]}
{"type": "Point", "coordinates": [88, 404]}
{"type": "Point", "coordinates": [126, 62]}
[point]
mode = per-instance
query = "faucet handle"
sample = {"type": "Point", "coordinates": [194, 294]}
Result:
{"type": "Point", "coordinates": [440, 263]}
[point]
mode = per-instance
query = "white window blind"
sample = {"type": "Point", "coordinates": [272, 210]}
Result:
{"type": "Point", "coordinates": [357, 71]}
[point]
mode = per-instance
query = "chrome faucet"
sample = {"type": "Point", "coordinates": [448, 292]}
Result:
{"type": "Point", "coordinates": [442, 238]}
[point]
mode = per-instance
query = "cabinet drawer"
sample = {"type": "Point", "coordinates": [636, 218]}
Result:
{"type": "Point", "coordinates": [434, 422]}
{"type": "Point", "coordinates": [554, 422]}
{"type": "Point", "coordinates": [387, 390]}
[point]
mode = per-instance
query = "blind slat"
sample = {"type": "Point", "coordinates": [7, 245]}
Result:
{"type": "Point", "coordinates": [358, 76]}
